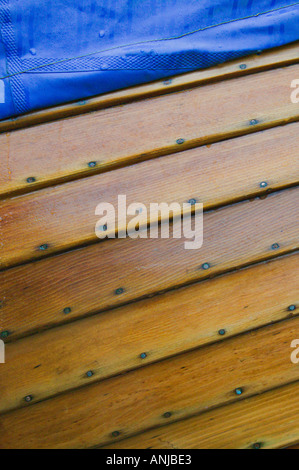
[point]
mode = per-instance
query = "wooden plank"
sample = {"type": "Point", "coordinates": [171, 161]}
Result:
{"type": "Point", "coordinates": [172, 389]}
{"type": "Point", "coordinates": [269, 421]}
{"type": "Point", "coordinates": [58, 360]}
{"type": "Point", "coordinates": [114, 272]}
{"type": "Point", "coordinates": [273, 58]}
{"type": "Point", "coordinates": [64, 216]}
{"type": "Point", "coordinates": [114, 137]}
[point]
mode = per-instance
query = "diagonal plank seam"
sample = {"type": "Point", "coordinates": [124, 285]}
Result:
{"type": "Point", "coordinates": [287, 55]}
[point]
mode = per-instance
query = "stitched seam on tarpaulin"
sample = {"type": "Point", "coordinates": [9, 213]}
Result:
{"type": "Point", "coordinates": [187, 60]}
{"type": "Point", "coordinates": [59, 61]}
{"type": "Point", "coordinates": [12, 60]}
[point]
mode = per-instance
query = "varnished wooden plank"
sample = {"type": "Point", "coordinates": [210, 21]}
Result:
{"type": "Point", "coordinates": [277, 57]}
{"type": "Point", "coordinates": [172, 389]}
{"type": "Point", "coordinates": [114, 272]}
{"type": "Point", "coordinates": [113, 342]}
{"type": "Point", "coordinates": [64, 216]}
{"type": "Point", "coordinates": [268, 421]}
{"type": "Point", "coordinates": [52, 152]}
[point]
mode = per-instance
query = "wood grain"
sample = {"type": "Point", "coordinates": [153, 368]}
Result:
{"type": "Point", "coordinates": [269, 421]}
{"type": "Point", "coordinates": [64, 216]}
{"type": "Point", "coordinates": [181, 386]}
{"type": "Point", "coordinates": [58, 360]}
{"type": "Point", "coordinates": [109, 138]}
{"type": "Point", "coordinates": [277, 57]}
{"type": "Point", "coordinates": [88, 280]}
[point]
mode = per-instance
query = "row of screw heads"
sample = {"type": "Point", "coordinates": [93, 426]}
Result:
{"type": "Point", "coordinates": [67, 310]}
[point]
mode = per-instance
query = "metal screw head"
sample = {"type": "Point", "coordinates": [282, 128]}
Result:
{"type": "Point", "coordinates": [275, 246]}
{"type": "Point", "coordinates": [103, 228]}
{"type": "Point", "coordinates": [31, 179]}
{"type": "Point", "coordinates": [89, 373]}
{"type": "Point", "coordinates": [205, 266]}
{"type": "Point", "coordinates": [238, 391]}
{"type": "Point", "coordinates": [143, 355]}
{"type": "Point", "coordinates": [4, 334]}
{"type": "Point", "coordinates": [180, 141]}
{"type": "Point", "coordinates": [192, 201]}
{"type": "Point", "coordinates": [263, 184]}
{"type": "Point", "coordinates": [119, 290]}
{"type": "Point", "coordinates": [28, 398]}
{"type": "Point", "coordinates": [102, 33]}
{"type": "Point", "coordinates": [221, 332]}
{"type": "Point", "coordinates": [67, 310]}
{"type": "Point", "coordinates": [253, 122]}
{"type": "Point", "coordinates": [291, 308]}
{"type": "Point", "coordinates": [167, 414]}
{"type": "Point", "coordinates": [92, 164]}
{"type": "Point", "coordinates": [257, 445]}
{"type": "Point", "coordinates": [243, 66]}
{"type": "Point", "coordinates": [115, 433]}
{"type": "Point", "coordinates": [44, 247]}
{"type": "Point", "coordinates": [32, 51]}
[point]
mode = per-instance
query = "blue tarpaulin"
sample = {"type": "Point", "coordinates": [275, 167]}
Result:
{"type": "Point", "coordinates": [56, 51]}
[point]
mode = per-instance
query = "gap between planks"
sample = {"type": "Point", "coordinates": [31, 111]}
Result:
{"type": "Point", "coordinates": [273, 58]}
{"type": "Point", "coordinates": [151, 330]}
{"type": "Point", "coordinates": [112, 138]}
{"type": "Point", "coordinates": [261, 422]}
{"type": "Point", "coordinates": [173, 389]}
{"type": "Point", "coordinates": [123, 270]}
{"type": "Point", "coordinates": [63, 217]}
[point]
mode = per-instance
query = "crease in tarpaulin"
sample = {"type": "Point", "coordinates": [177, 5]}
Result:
{"type": "Point", "coordinates": [34, 80]}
